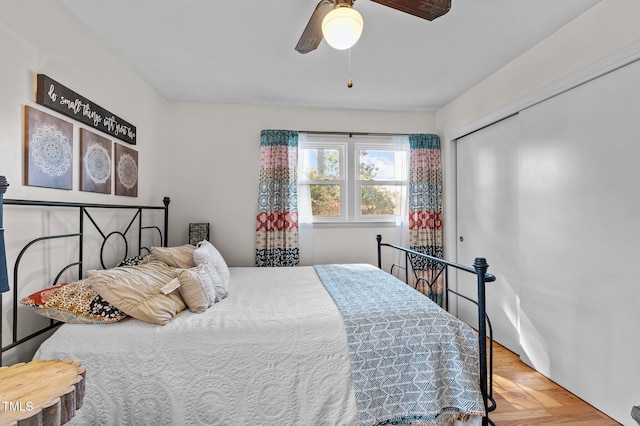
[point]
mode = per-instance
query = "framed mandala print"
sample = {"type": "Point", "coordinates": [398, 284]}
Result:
{"type": "Point", "coordinates": [95, 162]}
{"type": "Point", "coordinates": [126, 171]}
{"type": "Point", "coordinates": [48, 150]}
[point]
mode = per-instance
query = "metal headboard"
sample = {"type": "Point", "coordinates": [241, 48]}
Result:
{"type": "Point", "coordinates": [83, 213]}
{"type": "Point", "coordinates": [479, 269]}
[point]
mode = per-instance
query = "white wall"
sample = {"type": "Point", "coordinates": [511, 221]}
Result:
{"type": "Point", "coordinates": [215, 158]}
{"type": "Point", "coordinates": [42, 37]}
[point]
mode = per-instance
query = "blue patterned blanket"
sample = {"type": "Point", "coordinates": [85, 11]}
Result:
{"type": "Point", "coordinates": [412, 361]}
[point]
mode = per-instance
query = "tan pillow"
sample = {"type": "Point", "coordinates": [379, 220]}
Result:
{"type": "Point", "coordinates": [197, 286]}
{"type": "Point", "coordinates": [178, 257]}
{"type": "Point", "coordinates": [139, 291]}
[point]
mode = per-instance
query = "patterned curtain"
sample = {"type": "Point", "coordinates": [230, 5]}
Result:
{"type": "Point", "coordinates": [277, 218]}
{"type": "Point", "coordinates": [425, 212]}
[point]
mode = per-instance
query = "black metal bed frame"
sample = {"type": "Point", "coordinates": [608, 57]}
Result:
{"type": "Point", "coordinates": [83, 214]}
{"type": "Point", "coordinates": [485, 331]}
{"type": "Point", "coordinates": [479, 269]}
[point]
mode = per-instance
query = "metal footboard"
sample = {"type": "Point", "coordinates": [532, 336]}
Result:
{"type": "Point", "coordinates": [485, 331]}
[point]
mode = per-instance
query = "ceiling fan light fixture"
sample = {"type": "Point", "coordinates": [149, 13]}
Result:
{"type": "Point", "coordinates": [342, 27]}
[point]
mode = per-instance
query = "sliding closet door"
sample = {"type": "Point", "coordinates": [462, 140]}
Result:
{"type": "Point", "coordinates": [551, 197]}
{"type": "Point", "coordinates": [487, 223]}
{"type": "Point", "coordinates": [580, 240]}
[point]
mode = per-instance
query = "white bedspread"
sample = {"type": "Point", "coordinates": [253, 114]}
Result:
{"type": "Point", "coordinates": [227, 366]}
{"type": "Point", "coordinates": [272, 353]}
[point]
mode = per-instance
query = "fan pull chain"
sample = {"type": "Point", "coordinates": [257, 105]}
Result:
{"type": "Point", "coordinates": [349, 83]}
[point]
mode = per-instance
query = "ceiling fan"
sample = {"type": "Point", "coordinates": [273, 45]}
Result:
{"type": "Point", "coordinates": [327, 12]}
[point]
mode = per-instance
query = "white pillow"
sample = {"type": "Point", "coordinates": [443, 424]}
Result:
{"type": "Point", "coordinates": [198, 286]}
{"type": "Point", "coordinates": [205, 252]}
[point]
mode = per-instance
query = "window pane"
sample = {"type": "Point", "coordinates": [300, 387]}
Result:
{"type": "Point", "coordinates": [320, 164]}
{"type": "Point", "coordinates": [325, 200]}
{"type": "Point", "coordinates": [380, 165]}
{"type": "Point", "coordinates": [380, 200]}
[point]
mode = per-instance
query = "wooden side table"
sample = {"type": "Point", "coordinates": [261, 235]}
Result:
{"type": "Point", "coordinates": [41, 392]}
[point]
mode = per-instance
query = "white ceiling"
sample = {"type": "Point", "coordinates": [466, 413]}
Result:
{"type": "Point", "coordinates": [242, 52]}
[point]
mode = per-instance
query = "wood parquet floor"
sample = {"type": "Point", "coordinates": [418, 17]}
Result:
{"type": "Point", "coordinates": [525, 397]}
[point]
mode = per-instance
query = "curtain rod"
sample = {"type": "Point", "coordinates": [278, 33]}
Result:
{"type": "Point", "coordinates": [350, 134]}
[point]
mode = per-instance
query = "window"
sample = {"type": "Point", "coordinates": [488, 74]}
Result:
{"type": "Point", "coordinates": [352, 179]}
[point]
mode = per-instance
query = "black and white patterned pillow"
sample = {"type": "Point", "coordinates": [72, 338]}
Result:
{"type": "Point", "coordinates": [132, 261]}
{"type": "Point", "coordinates": [100, 307]}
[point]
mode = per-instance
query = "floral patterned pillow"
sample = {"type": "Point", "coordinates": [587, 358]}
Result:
{"type": "Point", "coordinates": [75, 302]}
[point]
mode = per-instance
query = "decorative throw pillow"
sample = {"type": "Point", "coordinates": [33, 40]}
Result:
{"type": "Point", "coordinates": [205, 252]}
{"type": "Point", "coordinates": [76, 302]}
{"type": "Point", "coordinates": [146, 292]}
{"type": "Point", "coordinates": [178, 257]}
{"type": "Point", "coordinates": [198, 286]}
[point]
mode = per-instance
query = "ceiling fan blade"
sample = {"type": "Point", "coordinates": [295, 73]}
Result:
{"type": "Point", "coordinates": [425, 9]}
{"type": "Point", "coordinates": [312, 34]}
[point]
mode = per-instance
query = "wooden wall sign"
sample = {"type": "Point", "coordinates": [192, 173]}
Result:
{"type": "Point", "coordinates": [59, 98]}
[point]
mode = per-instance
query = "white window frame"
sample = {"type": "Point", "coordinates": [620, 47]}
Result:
{"type": "Point", "coordinates": [342, 148]}
{"type": "Point", "coordinates": [350, 182]}
{"type": "Point", "coordinates": [357, 183]}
